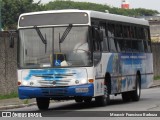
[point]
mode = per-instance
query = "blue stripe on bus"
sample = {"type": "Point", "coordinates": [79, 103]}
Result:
{"type": "Point", "coordinates": [33, 92]}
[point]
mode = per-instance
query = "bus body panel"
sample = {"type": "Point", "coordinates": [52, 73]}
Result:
{"type": "Point", "coordinates": [56, 93]}
{"type": "Point", "coordinates": [123, 68]}
{"type": "Point", "coordinates": [66, 81]}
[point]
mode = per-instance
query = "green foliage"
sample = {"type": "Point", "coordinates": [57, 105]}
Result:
{"type": "Point", "coordinates": [156, 77]}
{"type": "Point", "coordinates": [60, 4]}
{"type": "Point", "coordinates": [26, 101]}
{"type": "Point", "coordinates": [7, 96]}
{"type": "Point", "coordinates": [11, 9]}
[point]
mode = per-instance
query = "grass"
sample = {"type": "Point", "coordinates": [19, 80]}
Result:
{"type": "Point", "coordinates": [8, 96]}
{"type": "Point", "coordinates": [157, 78]}
{"type": "Point", "coordinates": [26, 101]}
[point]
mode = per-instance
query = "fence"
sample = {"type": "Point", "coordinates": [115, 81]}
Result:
{"type": "Point", "coordinates": [8, 63]}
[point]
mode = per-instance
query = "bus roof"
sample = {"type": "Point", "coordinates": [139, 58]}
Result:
{"type": "Point", "coordinates": [95, 14]}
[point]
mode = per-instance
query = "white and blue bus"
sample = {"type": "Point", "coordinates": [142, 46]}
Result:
{"type": "Point", "coordinates": [80, 55]}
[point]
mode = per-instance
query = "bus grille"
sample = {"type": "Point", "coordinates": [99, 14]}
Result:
{"type": "Point", "coordinates": [51, 80]}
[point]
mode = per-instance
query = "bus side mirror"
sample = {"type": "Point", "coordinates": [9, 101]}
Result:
{"type": "Point", "coordinates": [11, 38]}
{"type": "Point", "coordinates": [11, 42]}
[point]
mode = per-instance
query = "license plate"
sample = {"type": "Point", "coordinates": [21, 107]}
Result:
{"type": "Point", "coordinates": [81, 90]}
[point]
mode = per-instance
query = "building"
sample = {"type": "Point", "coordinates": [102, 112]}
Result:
{"type": "Point", "coordinates": [154, 22]}
{"type": "Point", "coordinates": [125, 4]}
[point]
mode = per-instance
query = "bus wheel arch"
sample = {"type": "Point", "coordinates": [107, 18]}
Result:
{"type": "Point", "coordinates": [108, 82]}
{"type": "Point", "coordinates": [105, 99]}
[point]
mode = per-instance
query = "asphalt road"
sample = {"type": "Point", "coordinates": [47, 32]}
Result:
{"type": "Point", "coordinates": [150, 102]}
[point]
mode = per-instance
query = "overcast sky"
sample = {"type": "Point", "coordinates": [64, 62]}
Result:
{"type": "Point", "coordinates": [148, 4]}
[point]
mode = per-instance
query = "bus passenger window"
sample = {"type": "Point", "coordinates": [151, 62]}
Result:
{"type": "Point", "coordinates": [112, 41]}
{"type": "Point", "coordinates": [145, 46]}
{"type": "Point", "coordinates": [128, 46]}
{"type": "Point", "coordinates": [137, 46]}
{"type": "Point", "coordinates": [146, 34]}
{"type": "Point", "coordinates": [149, 46]}
{"type": "Point", "coordinates": [105, 41]}
{"type": "Point", "coordinates": [120, 45]}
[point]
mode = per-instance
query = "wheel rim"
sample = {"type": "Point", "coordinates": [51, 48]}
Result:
{"type": "Point", "coordinates": [105, 93]}
{"type": "Point", "coordinates": [138, 88]}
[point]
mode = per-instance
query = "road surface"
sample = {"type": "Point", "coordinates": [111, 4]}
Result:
{"type": "Point", "coordinates": [150, 102]}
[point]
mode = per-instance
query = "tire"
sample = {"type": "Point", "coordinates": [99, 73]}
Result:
{"type": "Point", "coordinates": [105, 99]}
{"type": "Point", "coordinates": [78, 100]}
{"type": "Point", "coordinates": [135, 95]}
{"type": "Point", "coordinates": [126, 96]}
{"type": "Point", "coordinates": [88, 100]}
{"type": "Point", "coordinates": [43, 103]}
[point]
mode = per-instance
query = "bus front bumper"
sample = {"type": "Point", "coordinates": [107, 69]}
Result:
{"type": "Point", "coordinates": [56, 92]}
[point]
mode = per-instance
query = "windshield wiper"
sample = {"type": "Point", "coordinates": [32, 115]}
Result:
{"type": "Point", "coordinates": [44, 40]}
{"type": "Point", "coordinates": [68, 29]}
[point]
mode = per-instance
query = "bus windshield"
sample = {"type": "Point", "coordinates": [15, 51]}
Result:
{"type": "Point", "coordinates": [73, 50]}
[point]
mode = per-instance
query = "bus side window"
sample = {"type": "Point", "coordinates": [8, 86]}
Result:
{"type": "Point", "coordinates": [105, 41]}
{"type": "Point", "coordinates": [137, 46]}
{"type": "Point", "coordinates": [112, 41]}
{"type": "Point", "coordinates": [145, 45]}
{"type": "Point", "coordinates": [149, 45]}
{"type": "Point", "coordinates": [119, 38]}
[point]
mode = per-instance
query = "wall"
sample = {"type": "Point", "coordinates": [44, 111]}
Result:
{"type": "Point", "coordinates": [156, 58]}
{"type": "Point", "coordinates": [8, 63]}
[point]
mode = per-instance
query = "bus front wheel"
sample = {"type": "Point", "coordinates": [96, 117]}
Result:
{"type": "Point", "coordinates": [105, 99]}
{"type": "Point", "coordinates": [78, 100]}
{"type": "Point", "coordinates": [88, 99]}
{"type": "Point", "coordinates": [43, 103]}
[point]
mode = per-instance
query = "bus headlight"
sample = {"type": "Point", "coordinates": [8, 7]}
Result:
{"type": "Point", "coordinates": [24, 83]}
{"type": "Point", "coordinates": [84, 81]}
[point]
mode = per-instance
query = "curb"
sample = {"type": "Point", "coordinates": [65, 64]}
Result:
{"type": "Point", "coordinates": [16, 106]}
{"type": "Point", "coordinates": [153, 86]}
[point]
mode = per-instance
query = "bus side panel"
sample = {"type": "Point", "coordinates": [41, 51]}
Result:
{"type": "Point", "coordinates": [147, 81]}
{"type": "Point", "coordinates": [100, 71]}
{"type": "Point", "coordinates": [123, 68]}
{"type": "Point", "coordinates": [114, 68]}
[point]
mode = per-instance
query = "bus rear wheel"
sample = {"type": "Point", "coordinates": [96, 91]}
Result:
{"type": "Point", "coordinates": [43, 103]}
{"type": "Point", "coordinates": [135, 95]}
{"type": "Point", "coordinates": [126, 96]}
{"type": "Point", "coordinates": [105, 99]}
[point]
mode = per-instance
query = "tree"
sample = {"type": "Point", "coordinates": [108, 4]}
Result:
{"type": "Point", "coordinates": [60, 4]}
{"type": "Point", "coordinates": [11, 9]}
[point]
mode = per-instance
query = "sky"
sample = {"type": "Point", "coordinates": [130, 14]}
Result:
{"type": "Point", "coordinates": [148, 4]}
